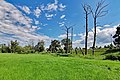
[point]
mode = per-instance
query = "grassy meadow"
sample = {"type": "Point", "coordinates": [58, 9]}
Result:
{"type": "Point", "coordinates": [48, 67]}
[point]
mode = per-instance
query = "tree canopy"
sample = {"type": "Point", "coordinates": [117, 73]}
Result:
{"type": "Point", "coordinates": [117, 37]}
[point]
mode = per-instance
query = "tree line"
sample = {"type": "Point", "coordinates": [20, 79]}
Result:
{"type": "Point", "coordinates": [56, 46]}
{"type": "Point", "coordinates": [65, 45]}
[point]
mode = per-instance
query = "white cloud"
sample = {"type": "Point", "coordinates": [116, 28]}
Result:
{"type": "Point", "coordinates": [63, 16]}
{"type": "Point", "coordinates": [76, 43]}
{"type": "Point", "coordinates": [42, 7]}
{"type": "Point", "coordinates": [49, 16]}
{"type": "Point", "coordinates": [37, 12]}
{"type": "Point", "coordinates": [64, 35]}
{"type": "Point", "coordinates": [35, 28]}
{"type": "Point", "coordinates": [45, 24]}
{"type": "Point", "coordinates": [62, 7]}
{"type": "Point", "coordinates": [25, 9]}
{"type": "Point", "coordinates": [16, 25]}
{"type": "Point", "coordinates": [61, 24]}
{"type": "Point", "coordinates": [36, 22]}
{"type": "Point", "coordinates": [56, 1]}
{"type": "Point", "coordinates": [103, 36]}
{"type": "Point", "coordinates": [107, 25]}
{"type": "Point", "coordinates": [49, 10]}
{"type": "Point", "coordinates": [53, 6]}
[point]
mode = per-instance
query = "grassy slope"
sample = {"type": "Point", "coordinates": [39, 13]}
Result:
{"type": "Point", "coordinates": [46, 67]}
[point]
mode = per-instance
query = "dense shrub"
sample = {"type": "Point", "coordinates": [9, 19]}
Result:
{"type": "Point", "coordinates": [111, 51]}
{"type": "Point", "coordinates": [112, 57]}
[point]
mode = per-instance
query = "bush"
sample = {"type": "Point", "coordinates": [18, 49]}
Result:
{"type": "Point", "coordinates": [112, 51]}
{"type": "Point", "coordinates": [112, 57]}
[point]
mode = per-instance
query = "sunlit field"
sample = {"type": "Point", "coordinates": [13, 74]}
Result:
{"type": "Point", "coordinates": [48, 67]}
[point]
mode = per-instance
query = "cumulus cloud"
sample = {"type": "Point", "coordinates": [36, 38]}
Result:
{"type": "Point", "coordinates": [104, 36]}
{"type": "Point", "coordinates": [37, 12]}
{"type": "Point", "coordinates": [37, 22]}
{"type": "Point", "coordinates": [56, 1]}
{"type": "Point", "coordinates": [49, 16]}
{"type": "Point", "coordinates": [45, 24]}
{"type": "Point", "coordinates": [76, 43]}
{"type": "Point", "coordinates": [107, 25]}
{"type": "Point", "coordinates": [63, 16]}
{"type": "Point", "coordinates": [53, 6]}
{"type": "Point", "coordinates": [61, 24]}
{"type": "Point", "coordinates": [50, 9]}
{"type": "Point", "coordinates": [25, 9]}
{"type": "Point", "coordinates": [64, 35]}
{"type": "Point", "coordinates": [16, 25]}
{"type": "Point", "coordinates": [62, 7]}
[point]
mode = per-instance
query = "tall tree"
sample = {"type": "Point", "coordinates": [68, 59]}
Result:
{"type": "Point", "coordinates": [87, 12]}
{"type": "Point", "coordinates": [67, 44]}
{"type": "Point", "coordinates": [117, 37]}
{"type": "Point", "coordinates": [40, 46]}
{"type": "Point", "coordinates": [72, 39]}
{"type": "Point", "coordinates": [14, 45]}
{"type": "Point", "coordinates": [55, 45]}
{"type": "Point", "coordinates": [5, 49]}
{"type": "Point", "coordinates": [99, 12]}
{"type": "Point", "coordinates": [67, 34]}
{"type": "Point", "coordinates": [66, 29]}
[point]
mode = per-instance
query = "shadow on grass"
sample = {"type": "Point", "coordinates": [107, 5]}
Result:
{"type": "Point", "coordinates": [111, 51]}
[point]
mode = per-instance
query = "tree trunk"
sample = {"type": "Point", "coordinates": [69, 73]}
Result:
{"type": "Point", "coordinates": [71, 39]}
{"type": "Point", "coordinates": [81, 51]}
{"type": "Point", "coordinates": [86, 37]}
{"type": "Point", "coordinates": [67, 43]}
{"type": "Point", "coordinates": [94, 41]}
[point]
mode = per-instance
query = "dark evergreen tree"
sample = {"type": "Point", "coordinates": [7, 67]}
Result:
{"type": "Point", "coordinates": [117, 37]}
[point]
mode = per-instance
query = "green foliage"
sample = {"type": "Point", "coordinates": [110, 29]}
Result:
{"type": "Point", "coordinates": [111, 51]}
{"type": "Point", "coordinates": [28, 49]}
{"type": "Point", "coordinates": [117, 37]}
{"type": "Point", "coordinates": [113, 54]}
{"type": "Point", "coordinates": [14, 45]}
{"type": "Point", "coordinates": [5, 49]}
{"type": "Point", "coordinates": [46, 67]}
{"type": "Point", "coordinates": [109, 46]}
{"type": "Point", "coordinates": [19, 49]}
{"type": "Point", "coordinates": [67, 43]}
{"type": "Point", "coordinates": [40, 46]}
{"type": "Point", "coordinates": [112, 57]}
{"type": "Point", "coordinates": [55, 46]}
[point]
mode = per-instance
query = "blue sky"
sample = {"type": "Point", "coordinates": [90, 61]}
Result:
{"type": "Point", "coordinates": [45, 19]}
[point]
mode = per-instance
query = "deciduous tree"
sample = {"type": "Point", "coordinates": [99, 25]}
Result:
{"type": "Point", "coordinates": [99, 12]}
{"type": "Point", "coordinates": [87, 12]}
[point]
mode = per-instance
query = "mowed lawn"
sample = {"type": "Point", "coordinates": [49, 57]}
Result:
{"type": "Point", "coordinates": [47, 67]}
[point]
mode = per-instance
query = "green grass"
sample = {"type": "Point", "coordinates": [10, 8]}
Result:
{"type": "Point", "coordinates": [47, 67]}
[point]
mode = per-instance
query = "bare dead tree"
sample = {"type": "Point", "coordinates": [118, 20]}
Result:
{"type": "Point", "coordinates": [87, 12]}
{"type": "Point", "coordinates": [71, 38]}
{"type": "Point", "coordinates": [66, 29]}
{"type": "Point", "coordinates": [99, 12]}
{"type": "Point", "coordinates": [67, 34]}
